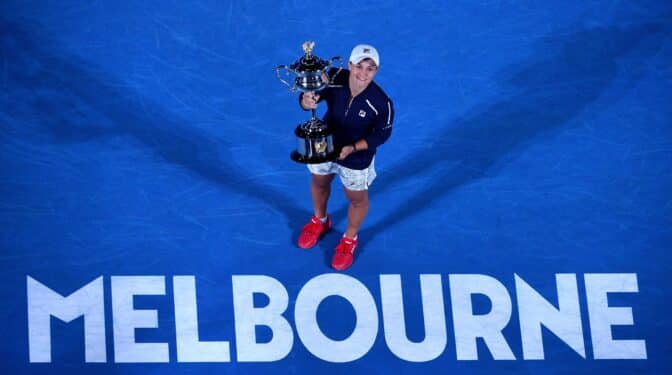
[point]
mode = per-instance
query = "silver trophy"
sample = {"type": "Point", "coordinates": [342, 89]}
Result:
{"type": "Point", "coordinates": [309, 74]}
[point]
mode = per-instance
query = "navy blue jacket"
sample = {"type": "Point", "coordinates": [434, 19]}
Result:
{"type": "Point", "coordinates": [368, 116]}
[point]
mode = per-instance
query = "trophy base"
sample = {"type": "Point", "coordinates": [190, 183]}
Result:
{"type": "Point", "coordinates": [314, 143]}
{"type": "Point", "coordinates": [303, 159]}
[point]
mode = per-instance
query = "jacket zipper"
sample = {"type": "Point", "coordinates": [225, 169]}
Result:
{"type": "Point", "coordinates": [352, 98]}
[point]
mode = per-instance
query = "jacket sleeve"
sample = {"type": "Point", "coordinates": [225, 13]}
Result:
{"type": "Point", "coordinates": [382, 128]}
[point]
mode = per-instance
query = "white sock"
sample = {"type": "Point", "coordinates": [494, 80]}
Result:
{"type": "Point", "coordinates": [323, 219]}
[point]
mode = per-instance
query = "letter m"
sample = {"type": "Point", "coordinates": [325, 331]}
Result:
{"type": "Point", "coordinates": [43, 303]}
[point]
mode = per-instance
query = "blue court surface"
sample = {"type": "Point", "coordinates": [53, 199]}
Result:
{"type": "Point", "coordinates": [520, 222]}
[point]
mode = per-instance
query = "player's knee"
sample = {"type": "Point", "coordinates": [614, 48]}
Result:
{"type": "Point", "coordinates": [358, 199]}
{"type": "Point", "coordinates": [360, 203]}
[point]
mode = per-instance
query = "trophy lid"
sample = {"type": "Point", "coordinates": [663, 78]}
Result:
{"type": "Point", "coordinates": [309, 62]}
{"type": "Point", "coordinates": [308, 47]}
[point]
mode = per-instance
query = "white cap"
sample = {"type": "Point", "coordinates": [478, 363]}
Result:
{"type": "Point", "coordinates": [364, 51]}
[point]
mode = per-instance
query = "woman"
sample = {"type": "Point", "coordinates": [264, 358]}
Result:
{"type": "Point", "coordinates": [360, 114]}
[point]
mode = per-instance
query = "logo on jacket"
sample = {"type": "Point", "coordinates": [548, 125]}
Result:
{"type": "Point", "coordinates": [362, 113]}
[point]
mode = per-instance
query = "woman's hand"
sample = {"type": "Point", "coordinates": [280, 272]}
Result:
{"type": "Point", "coordinates": [309, 100]}
{"type": "Point", "coordinates": [346, 151]}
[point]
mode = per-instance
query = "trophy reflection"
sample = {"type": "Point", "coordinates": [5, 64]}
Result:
{"type": "Point", "coordinates": [309, 74]}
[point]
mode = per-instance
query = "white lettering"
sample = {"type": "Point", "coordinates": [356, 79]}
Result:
{"type": "Point", "coordinates": [363, 336]}
{"type": "Point", "coordinates": [126, 319]}
{"type": "Point", "coordinates": [189, 347]}
{"type": "Point", "coordinates": [535, 311]}
{"type": "Point", "coordinates": [43, 303]}
{"type": "Point", "coordinates": [433, 313]}
{"type": "Point", "coordinates": [471, 322]}
{"type": "Point", "coordinates": [488, 326]}
{"type": "Point", "coordinates": [247, 317]}
{"type": "Point", "coordinates": [602, 317]}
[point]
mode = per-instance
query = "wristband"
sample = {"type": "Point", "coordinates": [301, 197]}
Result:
{"type": "Point", "coordinates": [354, 147]}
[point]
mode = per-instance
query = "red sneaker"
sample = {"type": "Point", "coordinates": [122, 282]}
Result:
{"type": "Point", "coordinates": [344, 253]}
{"type": "Point", "coordinates": [312, 231]}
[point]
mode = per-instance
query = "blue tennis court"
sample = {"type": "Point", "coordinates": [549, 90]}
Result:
{"type": "Point", "coordinates": [520, 222]}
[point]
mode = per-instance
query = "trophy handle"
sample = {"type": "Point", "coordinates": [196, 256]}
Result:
{"type": "Point", "coordinates": [287, 70]}
{"type": "Point", "coordinates": [331, 64]}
